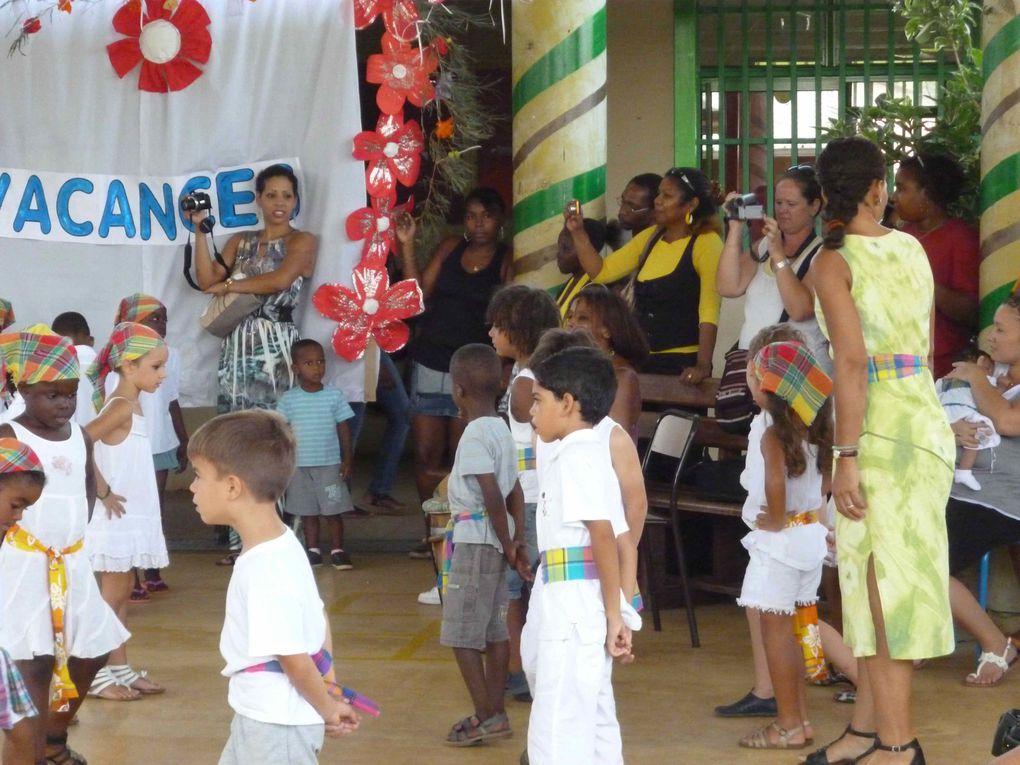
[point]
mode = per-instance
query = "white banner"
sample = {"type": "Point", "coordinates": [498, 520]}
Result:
{"type": "Point", "coordinates": [281, 82]}
{"type": "Point", "coordinates": [125, 209]}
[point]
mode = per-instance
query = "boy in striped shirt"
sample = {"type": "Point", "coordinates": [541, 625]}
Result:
{"type": "Point", "coordinates": [318, 414]}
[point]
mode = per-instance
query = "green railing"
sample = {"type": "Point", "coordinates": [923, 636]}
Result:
{"type": "Point", "coordinates": [756, 79]}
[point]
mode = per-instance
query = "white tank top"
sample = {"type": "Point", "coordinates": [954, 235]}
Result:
{"type": "Point", "coordinates": [522, 433]}
{"type": "Point", "coordinates": [60, 516]}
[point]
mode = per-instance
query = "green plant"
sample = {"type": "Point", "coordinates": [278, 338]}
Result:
{"type": "Point", "coordinates": [953, 124]}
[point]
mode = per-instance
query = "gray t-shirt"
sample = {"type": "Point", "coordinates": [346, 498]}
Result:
{"type": "Point", "coordinates": [485, 447]}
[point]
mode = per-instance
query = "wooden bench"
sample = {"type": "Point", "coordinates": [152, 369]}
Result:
{"type": "Point", "coordinates": [728, 557]}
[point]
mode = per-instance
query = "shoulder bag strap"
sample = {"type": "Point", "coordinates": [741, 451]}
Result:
{"type": "Point", "coordinates": [802, 272]}
{"type": "Point", "coordinates": [628, 290]}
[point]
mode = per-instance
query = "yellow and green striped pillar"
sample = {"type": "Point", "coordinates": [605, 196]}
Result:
{"type": "Point", "coordinates": [559, 126]}
{"type": "Point", "coordinates": [1000, 157]}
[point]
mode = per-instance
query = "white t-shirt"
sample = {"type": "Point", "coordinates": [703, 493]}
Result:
{"type": "Point", "coordinates": [485, 447]}
{"type": "Point", "coordinates": [156, 406]}
{"type": "Point", "coordinates": [86, 410]}
{"type": "Point", "coordinates": [273, 609]}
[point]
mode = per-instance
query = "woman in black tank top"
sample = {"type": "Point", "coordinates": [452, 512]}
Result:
{"type": "Point", "coordinates": [458, 280]}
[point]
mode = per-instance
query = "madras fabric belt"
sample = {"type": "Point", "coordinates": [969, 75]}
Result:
{"type": "Point", "coordinates": [565, 564]}
{"type": "Point", "coordinates": [891, 366]}
{"type": "Point", "coordinates": [525, 459]}
{"type": "Point", "coordinates": [444, 575]}
{"type": "Point", "coordinates": [62, 689]}
{"type": "Point", "coordinates": [324, 663]}
{"type": "Point", "coordinates": [800, 519]}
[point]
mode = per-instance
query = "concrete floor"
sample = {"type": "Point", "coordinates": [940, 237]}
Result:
{"type": "Point", "coordinates": [387, 647]}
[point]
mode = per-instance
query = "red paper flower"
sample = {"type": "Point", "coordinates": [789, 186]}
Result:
{"type": "Point", "coordinates": [399, 16]}
{"type": "Point", "coordinates": [402, 72]}
{"type": "Point", "coordinates": [31, 26]}
{"type": "Point", "coordinates": [165, 42]}
{"type": "Point", "coordinates": [393, 152]}
{"type": "Point", "coordinates": [376, 226]}
{"type": "Point", "coordinates": [371, 308]}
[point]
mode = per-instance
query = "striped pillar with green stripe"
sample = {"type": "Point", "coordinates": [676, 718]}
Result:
{"type": "Point", "coordinates": [1000, 157]}
{"type": "Point", "coordinates": [559, 126]}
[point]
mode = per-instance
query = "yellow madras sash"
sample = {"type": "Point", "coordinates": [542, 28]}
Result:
{"type": "Point", "coordinates": [444, 574]}
{"type": "Point", "coordinates": [800, 519]}
{"type": "Point", "coordinates": [893, 366]}
{"type": "Point", "coordinates": [62, 689]}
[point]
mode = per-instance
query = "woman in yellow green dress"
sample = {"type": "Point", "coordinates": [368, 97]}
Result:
{"type": "Point", "coordinates": [894, 453]}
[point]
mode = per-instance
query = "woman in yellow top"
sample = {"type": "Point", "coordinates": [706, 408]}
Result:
{"type": "Point", "coordinates": [675, 299]}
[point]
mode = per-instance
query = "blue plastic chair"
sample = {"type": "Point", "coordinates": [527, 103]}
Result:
{"type": "Point", "coordinates": [983, 588]}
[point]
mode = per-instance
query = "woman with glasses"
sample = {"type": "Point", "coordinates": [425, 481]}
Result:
{"type": "Point", "coordinates": [672, 268]}
{"type": "Point", "coordinates": [774, 276]}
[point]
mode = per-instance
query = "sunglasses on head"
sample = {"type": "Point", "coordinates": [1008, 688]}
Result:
{"type": "Point", "coordinates": [680, 175]}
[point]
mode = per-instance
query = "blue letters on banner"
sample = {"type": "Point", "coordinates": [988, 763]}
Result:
{"type": "Point", "coordinates": [198, 182]}
{"type": "Point", "coordinates": [117, 211]}
{"type": "Point", "coordinates": [5, 182]}
{"type": "Point", "coordinates": [148, 206]}
{"type": "Point", "coordinates": [40, 213]}
{"type": "Point", "coordinates": [230, 199]}
{"type": "Point", "coordinates": [69, 224]}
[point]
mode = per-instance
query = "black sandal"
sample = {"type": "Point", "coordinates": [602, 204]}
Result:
{"type": "Point", "coordinates": [915, 745]}
{"type": "Point", "coordinates": [821, 756]}
{"type": "Point", "coordinates": [64, 755]}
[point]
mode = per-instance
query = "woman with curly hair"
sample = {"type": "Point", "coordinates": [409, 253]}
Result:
{"type": "Point", "coordinates": [893, 451]}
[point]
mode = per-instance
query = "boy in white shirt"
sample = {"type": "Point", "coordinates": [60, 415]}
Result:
{"type": "Point", "coordinates": [276, 638]}
{"type": "Point", "coordinates": [575, 626]}
{"type": "Point", "coordinates": [75, 328]}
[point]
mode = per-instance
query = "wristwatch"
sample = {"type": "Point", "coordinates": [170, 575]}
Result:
{"type": "Point", "coordinates": [777, 267]}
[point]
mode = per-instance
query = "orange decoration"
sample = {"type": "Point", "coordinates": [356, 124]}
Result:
{"type": "Point", "coordinates": [444, 129]}
{"type": "Point", "coordinates": [64, 5]}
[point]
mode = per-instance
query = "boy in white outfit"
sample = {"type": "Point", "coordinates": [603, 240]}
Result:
{"type": "Point", "coordinates": [575, 626]}
{"type": "Point", "coordinates": [276, 640]}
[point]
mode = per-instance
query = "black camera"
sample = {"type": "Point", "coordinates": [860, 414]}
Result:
{"type": "Point", "coordinates": [196, 201]}
{"type": "Point", "coordinates": [745, 207]}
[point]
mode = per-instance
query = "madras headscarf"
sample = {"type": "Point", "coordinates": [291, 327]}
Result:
{"type": "Point", "coordinates": [136, 308]}
{"type": "Point", "coordinates": [788, 370]}
{"type": "Point", "coordinates": [37, 354]}
{"type": "Point", "coordinates": [128, 342]}
{"type": "Point", "coordinates": [16, 457]}
{"type": "Point", "coordinates": [6, 314]}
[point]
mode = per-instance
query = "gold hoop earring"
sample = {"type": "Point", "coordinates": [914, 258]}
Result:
{"type": "Point", "coordinates": [689, 218]}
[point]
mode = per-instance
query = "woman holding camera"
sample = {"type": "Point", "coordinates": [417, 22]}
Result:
{"type": "Point", "coordinates": [672, 267]}
{"type": "Point", "coordinates": [775, 275]}
{"type": "Point", "coordinates": [273, 262]}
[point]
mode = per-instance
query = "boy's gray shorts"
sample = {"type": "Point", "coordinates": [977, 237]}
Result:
{"type": "Point", "coordinates": [257, 743]}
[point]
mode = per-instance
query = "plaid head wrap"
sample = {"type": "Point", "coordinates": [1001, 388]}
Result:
{"type": "Point", "coordinates": [6, 314]}
{"type": "Point", "coordinates": [137, 307]}
{"type": "Point", "coordinates": [37, 355]}
{"type": "Point", "coordinates": [128, 342]}
{"type": "Point", "coordinates": [792, 373]}
{"type": "Point", "coordinates": [16, 457]}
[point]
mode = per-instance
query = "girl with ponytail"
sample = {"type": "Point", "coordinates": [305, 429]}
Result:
{"type": "Point", "coordinates": [893, 452]}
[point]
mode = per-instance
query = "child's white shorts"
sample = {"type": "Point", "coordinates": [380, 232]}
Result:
{"type": "Point", "coordinates": [773, 586]}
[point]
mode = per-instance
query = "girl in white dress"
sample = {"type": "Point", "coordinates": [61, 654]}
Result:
{"type": "Point", "coordinates": [131, 536]}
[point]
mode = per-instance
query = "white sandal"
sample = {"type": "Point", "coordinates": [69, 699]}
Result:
{"type": "Point", "coordinates": [999, 660]}
{"type": "Point", "coordinates": [128, 677]}
{"type": "Point", "coordinates": [106, 679]}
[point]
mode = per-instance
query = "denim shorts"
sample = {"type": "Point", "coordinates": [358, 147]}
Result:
{"type": "Point", "coordinates": [166, 460]}
{"type": "Point", "coordinates": [432, 392]}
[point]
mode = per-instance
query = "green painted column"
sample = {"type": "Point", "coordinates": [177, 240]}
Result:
{"type": "Point", "coordinates": [1000, 156]}
{"type": "Point", "coordinates": [559, 126]}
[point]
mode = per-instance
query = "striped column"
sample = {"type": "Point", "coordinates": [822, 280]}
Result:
{"type": "Point", "coordinates": [559, 126]}
{"type": "Point", "coordinates": [1000, 157]}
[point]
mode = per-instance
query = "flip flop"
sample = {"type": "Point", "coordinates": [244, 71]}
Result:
{"type": "Point", "coordinates": [470, 731]}
{"type": "Point", "coordinates": [104, 681]}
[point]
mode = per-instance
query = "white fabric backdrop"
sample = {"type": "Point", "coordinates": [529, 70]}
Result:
{"type": "Point", "coordinates": [282, 81]}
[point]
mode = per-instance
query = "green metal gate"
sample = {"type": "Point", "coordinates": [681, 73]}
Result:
{"type": "Point", "coordinates": [755, 79]}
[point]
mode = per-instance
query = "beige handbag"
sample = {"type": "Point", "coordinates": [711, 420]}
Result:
{"type": "Point", "coordinates": [225, 312]}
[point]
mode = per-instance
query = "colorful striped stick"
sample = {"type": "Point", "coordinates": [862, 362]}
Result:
{"type": "Point", "coordinates": [559, 126]}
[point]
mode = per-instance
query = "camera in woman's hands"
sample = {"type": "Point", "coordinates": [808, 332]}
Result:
{"type": "Point", "coordinates": [196, 201]}
{"type": "Point", "coordinates": [745, 207]}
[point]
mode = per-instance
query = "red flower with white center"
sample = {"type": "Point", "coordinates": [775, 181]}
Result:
{"type": "Point", "coordinates": [399, 16]}
{"type": "Point", "coordinates": [373, 308]}
{"type": "Point", "coordinates": [168, 43]}
{"type": "Point", "coordinates": [402, 73]}
{"type": "Point", "coordinates": [393, 152]}
{"type": "Point", "coordinates": [376, 226]}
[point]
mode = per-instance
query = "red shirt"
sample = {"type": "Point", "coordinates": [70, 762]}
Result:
{"type": "Point", "coordinates": [954, 252]}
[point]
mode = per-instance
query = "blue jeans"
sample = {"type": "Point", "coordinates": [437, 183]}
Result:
{"type": "Point", "coordinates": [396, 406]}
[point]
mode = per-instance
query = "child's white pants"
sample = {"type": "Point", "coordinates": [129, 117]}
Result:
{"type": "Point", "coordinates": [573, 716]}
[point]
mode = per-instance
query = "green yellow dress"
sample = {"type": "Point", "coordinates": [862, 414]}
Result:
{"type": "Point", "coordinates": [906, 461]}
